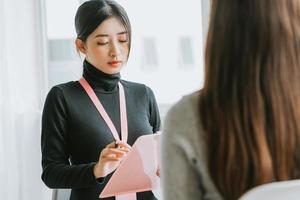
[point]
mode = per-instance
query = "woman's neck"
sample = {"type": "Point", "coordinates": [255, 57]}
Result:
{"type": "Point", "coordinates": [99, 80]}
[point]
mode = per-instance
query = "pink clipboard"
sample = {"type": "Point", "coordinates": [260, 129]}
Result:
{"type": "Point", "coordinates": [137, 172]}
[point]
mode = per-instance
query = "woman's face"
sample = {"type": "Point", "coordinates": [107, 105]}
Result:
{"type": "Point", "coordinates": [107, 47]}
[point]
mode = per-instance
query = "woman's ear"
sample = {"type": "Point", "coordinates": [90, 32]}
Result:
{"type": "Point", "coordinates": [80, 46]}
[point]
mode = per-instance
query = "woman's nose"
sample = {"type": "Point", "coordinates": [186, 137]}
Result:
{"type": "Point", "coordinates": [115, 50]}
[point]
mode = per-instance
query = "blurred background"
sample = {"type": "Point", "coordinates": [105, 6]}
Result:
{"type": "Point", "coordinates": [37, 51]}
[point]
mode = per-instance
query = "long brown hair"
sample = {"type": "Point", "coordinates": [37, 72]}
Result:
{"type": "Point", "coordinates": [250, 103]}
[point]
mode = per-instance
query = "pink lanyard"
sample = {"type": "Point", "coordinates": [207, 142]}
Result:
{"type": "Point", "coordinates": [103, 113]}
{"type": "Point", "coordinates": [123, 115]}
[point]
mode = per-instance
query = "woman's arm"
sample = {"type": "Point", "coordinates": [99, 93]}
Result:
{"type": "Point", "coordinates": [154, 117]}
{"type": "Point", "coordinates": [57, 171]}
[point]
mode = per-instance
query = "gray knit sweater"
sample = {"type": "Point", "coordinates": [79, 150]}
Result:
{"type": "Point", "coordinates": [184, 165]}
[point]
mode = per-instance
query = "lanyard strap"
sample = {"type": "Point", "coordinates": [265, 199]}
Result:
{"type": "Point", "coordinates": [123, 114]}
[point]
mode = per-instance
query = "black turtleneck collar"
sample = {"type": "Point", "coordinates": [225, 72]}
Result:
{"type": "Point", "coordinates": [99, 80]}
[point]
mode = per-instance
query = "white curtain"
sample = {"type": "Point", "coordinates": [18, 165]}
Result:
{"type": "Point", "coordinates": [22, 92]}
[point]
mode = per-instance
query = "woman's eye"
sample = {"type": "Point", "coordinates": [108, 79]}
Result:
{"type": "Point", "coordinates": [123, 41]}
{"type": "Point", "coordinates": [102, 43]}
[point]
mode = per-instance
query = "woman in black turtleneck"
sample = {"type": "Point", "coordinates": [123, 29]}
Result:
{"type": "Point", "coordinates": [78, 149]}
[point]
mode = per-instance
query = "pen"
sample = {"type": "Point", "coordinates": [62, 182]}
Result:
{"type": "Point", "coordinates": [116, 144]}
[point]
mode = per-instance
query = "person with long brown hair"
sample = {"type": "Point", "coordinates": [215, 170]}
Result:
{"type": "Point", "coordinates": [243, 128]}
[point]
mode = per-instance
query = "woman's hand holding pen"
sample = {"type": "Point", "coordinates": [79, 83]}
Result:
{"type": "Point", "coordinates": [110, 158]}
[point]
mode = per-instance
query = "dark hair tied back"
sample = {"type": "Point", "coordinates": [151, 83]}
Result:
{"type": "Point", "coordinates": [92, 13]}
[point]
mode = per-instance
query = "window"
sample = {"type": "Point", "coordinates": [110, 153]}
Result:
{"type": "Point", "coordinates": [186, 54]}
{"type": "Point", "coordinates": [149, 56]}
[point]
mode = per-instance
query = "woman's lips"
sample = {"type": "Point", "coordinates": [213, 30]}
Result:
{"type": "Point", "coordinates": [115, 63]}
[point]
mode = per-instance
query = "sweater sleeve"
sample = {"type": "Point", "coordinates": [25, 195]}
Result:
{"type": "Point", "coordinates": [57, 170]}
{"type": "Point", "coordinates": [154, 117]}
{"type": "Point", "coordinates": [180, 180]}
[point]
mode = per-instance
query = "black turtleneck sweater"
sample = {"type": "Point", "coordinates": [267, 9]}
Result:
{"type": "Point", "coordinates": [74, 133]}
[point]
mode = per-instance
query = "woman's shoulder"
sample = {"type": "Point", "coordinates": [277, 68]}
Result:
{"type": "Point", "coordinates": [138, 87]}
{"type": "Point", "coordinates": [183, 124]}
{"type": "Point", "coordinates": [63, 91]}
{"type": "Point", "coordinates": [134, 85]}
{"type": "Point", "coordinates": [186, 108]}
{"type": "Point", "coordinates": [184, 128]}
{"type": "Point", "coordinates": [65, 86]}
